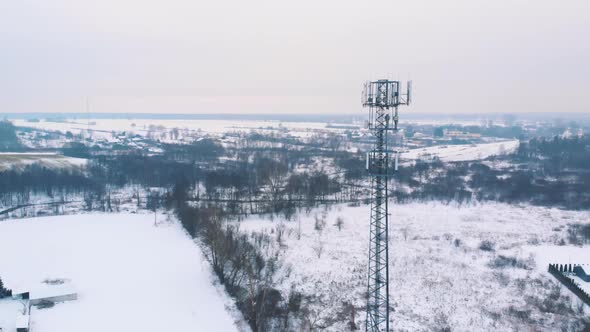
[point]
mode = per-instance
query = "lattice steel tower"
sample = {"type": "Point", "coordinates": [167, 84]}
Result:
{"type": "Point", "coordinates": [382, 97]}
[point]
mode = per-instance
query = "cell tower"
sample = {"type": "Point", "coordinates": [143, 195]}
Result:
{"type": "Point", "coordinates": [382, 97]}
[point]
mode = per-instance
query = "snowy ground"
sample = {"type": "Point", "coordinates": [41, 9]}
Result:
{"type": "Point", "coordinates": [130, 274]}
{"type": "Point", "coordinates": [464, 152]}
{"type": "Point", "coordinates": [8, 312]}
{"type": "Point", "coordinates": [440, 275]}
{"type": "Point", "coordinates": [17, 161]}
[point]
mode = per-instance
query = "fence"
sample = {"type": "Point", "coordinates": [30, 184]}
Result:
{"type": "Point", "coordinates": [558, 270]}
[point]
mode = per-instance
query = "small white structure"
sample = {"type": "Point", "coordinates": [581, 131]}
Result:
{"type": "Point", "coordinates": [22, 323]}
{"type": "Point", "coordinates": [53, 293]}
{"type": "Point", "coordinates": [47, 292]}
{"type": "Point", "coordinates": [8, 313]}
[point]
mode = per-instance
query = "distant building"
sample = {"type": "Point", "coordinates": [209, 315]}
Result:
{"type": "Point", "coordinates": [457, 134]}
{"type": "Point", "coordinates": [342, 126]}
{"type": "Point", "coordinates": [568, 133]}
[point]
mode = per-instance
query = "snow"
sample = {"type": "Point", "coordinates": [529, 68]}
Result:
{"type": "Point", "coordinates": [17, 161]}
{"type": "Point", "coordinates": [464, 152]}
{"type": "Point", "coordinates": [560, 255]}
{"type": "Point", "coordinates": [22, 321]}
{"type": "Point", "coordinates": [130, 274]}
{"type": "Point", "coordinates": [9, 312]}
{"type": "Point", "coordinates": [438, 269]}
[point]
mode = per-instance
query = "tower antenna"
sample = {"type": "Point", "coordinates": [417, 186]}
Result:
{"type": "Point", "coordinates": [382, 98]}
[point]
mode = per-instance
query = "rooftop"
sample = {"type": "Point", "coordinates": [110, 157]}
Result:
{"type": "Point", "coordinates": [22, 321]}
{"type": "Point", "coordinates": [45, 291]}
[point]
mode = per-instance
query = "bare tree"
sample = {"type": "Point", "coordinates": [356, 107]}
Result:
{"type": "Point", "coordinates": [334, 142]}
{"type": "Point", "coordinates": [320, 223]}
{"type": "Point", "coordinates": [318, 247]}
{"type": "Point", "coordinates": [348, 313]}
{"type": "Point", "coordinates": [316, 319]}
{"type": "Point", "coordinates": [405, 231]}
{"type": "Point", "coordinates": [339, 223]}
{"type": "Point", "coordinates": [280, 232]}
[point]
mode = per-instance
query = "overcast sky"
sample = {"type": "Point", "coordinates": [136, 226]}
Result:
{"type": "Point", "coordinates": [308, 56]}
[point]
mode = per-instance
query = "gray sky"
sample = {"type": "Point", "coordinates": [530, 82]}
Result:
{"type": "Point", "coordinates": [308, 56]}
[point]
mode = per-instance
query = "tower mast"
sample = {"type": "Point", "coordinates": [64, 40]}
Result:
{"type": "Point", "coordinates": [382, 97]}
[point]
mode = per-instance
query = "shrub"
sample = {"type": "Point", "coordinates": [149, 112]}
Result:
{"type": "Point", "coordinates": [502, 278]}
{"type": "Point", "coordinates": [487, 245]}
{"type": "Point", "coordinates": [442, 322]}
{"type": "Point", "coordinates": [294, 301]}
{"type": "Point", "coordinates": [44, 304]}
{"type": "Point", "coordinates": [508, 261]}
{"type": "Point", "coordinates": [54, 281]}
{"type": "Point", "coordinates": [521, 314]}
{"type": "Point", "coordinates": [320, 223]}
{"type": "Point", "coordinates": [280, 232]}
{"type": "Point", "coordinates": [585, 232]}
{"type": "Point", "coordinates": [579, 234]}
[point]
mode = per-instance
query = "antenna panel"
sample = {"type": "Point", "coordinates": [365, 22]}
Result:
{"type": "Point", "coordinates": [364, 94]}
{"type": "Point", "coordinates": [409, 98]}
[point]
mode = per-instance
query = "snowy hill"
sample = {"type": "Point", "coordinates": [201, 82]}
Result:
{"type": "Point", "coordinates": [462, 152]}
{"type": "Point", "coordinates": [18, 161]}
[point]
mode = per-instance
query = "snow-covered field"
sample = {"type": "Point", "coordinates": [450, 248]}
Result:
{"type": "Point", "coordinates": [440, 276]}
{"type": "Point", "coordinates": [17, 161]}
{"type": "Point", "coordinates": [141, 126]}
{"type": "Point", "coordinates": [130, 274]}
{"type": "Point", "coordinates": [462, 152]}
